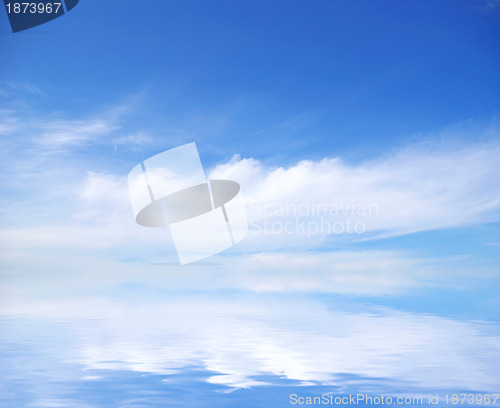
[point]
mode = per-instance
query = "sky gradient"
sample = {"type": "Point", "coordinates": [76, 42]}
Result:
{"type": "Point", "coordinates": [381, 116]}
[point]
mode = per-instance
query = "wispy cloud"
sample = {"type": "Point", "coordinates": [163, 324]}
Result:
{"type": "Point", "coordinates": [7, 122]}
{"type": "Point", "coordinates": [304, 205]}
{"type": "Point", "coordinates": [492, 4]}
{"type": "Point", "coordinates": [418, 188]}
{"type": "Point", "coordinates": [415, 189]}
{"type": "Point", "coordinates": [136, 140]}
{"type": "Point", "coordinates": [62, 133]}
{"type": "Point", "coordinates": [24, 87]}
{"type": "Point", "coordinates": [34, 132]}
{"type": "Point", "coordinates": [14, 89]}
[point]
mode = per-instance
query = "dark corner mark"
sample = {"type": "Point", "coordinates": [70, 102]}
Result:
{"type": "Point", "coordinates": [25, 14]}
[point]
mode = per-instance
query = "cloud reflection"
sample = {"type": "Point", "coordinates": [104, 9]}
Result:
{"type": "Point", "coordinates": [242, 339]}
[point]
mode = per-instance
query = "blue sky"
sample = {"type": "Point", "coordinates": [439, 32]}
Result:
{"type": "Point", "coordinates": [347, 104]}
{"type": "Point", "coordinates": [354, 78]}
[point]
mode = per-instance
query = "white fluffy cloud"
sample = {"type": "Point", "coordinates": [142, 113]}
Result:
{"type": "Point", "coordinates": [298, 207]}
{"type": "Point", "coordinates": [416, 189]}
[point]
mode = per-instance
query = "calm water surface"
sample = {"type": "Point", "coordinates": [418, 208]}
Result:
{"type": "Point", "coordinates": [226, 350]}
